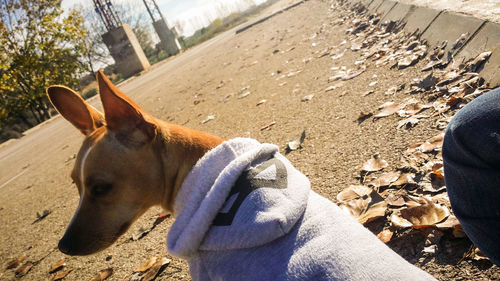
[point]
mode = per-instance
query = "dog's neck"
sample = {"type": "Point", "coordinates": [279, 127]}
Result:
{"type": "Point", "coordinates": [182, 148]}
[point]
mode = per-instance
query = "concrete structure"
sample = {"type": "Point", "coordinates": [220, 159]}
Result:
{"type": "Point", "coordinates": [385, 7]}
{"type": "Point", "coordinates": [125, 50]}
{"type": "Point", "coordinates": [168, 40]}
{"type": "Point", "coordinates": [487, 38]}
{"type": "Point", "coordinates": [450, 27]}
{"type": "Point", "coordinates": [491, 70]}
{"type": "Point", "coordinates": [398, 12]}
{"type": "Point", "coordinates": [372, 8]}
{"type": "Point", "coordinates": [439, 26]}
{"type": "Point", "coordinates": [420, 18]}
{"type": "Point", "coordinates": [365, 3]}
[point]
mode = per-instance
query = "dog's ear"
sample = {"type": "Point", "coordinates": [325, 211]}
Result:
{"type": "Point", "coordinates": [74, 109]}
{"type": "Point", "coordinates": [123, 115]}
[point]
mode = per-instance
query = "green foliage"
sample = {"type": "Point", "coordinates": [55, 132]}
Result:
{"type": "Point", "coordinates": [159, 56]}
{"type": "Point", "coordinates": [208, 32]}
{"type": "Point", "coordinates": [221, 25]}
{"type": "Point", "coordinates": [39, 46]}
{"type": "Point", "coordinates": [90, 93]}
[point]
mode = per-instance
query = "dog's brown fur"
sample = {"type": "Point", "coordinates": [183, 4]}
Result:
{"type": "Point", "coordinates": [128, 162]}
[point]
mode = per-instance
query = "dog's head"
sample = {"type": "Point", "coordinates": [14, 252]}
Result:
{"type": "Point", "coordinates": [117, 172]}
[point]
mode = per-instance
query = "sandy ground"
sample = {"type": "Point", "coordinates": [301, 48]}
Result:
{"type": "Point", "coordinates": [207, 80]}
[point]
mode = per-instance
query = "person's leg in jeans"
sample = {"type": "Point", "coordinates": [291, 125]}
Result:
{"type": "Point", "coordinates": [471, 154]}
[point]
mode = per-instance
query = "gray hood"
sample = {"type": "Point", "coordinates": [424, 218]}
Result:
{"type": "Point", "coordinates": [241, 194]}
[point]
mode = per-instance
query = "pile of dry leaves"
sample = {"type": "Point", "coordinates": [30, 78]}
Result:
{"type": "Point", "coordinates": [413, 194]}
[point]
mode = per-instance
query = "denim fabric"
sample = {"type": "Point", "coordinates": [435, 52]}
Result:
{"type": "Point", "coordinates": [471, 154]}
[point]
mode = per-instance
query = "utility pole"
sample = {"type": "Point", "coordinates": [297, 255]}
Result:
{"type": "Point", "coordinates": [107, 13]}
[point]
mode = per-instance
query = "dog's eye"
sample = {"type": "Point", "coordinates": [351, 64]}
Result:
{"type": "Point", "coordinates": [101, 189]}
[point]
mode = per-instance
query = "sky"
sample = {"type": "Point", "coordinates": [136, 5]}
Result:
{"type": "Point", "coordinates": [191, 15]}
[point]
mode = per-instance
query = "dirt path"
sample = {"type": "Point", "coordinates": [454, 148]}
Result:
{"type": "Point", "coordinates": [208, 80]}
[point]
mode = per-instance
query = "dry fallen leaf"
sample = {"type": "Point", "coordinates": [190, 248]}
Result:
{"type": "Point", "coordinates": [396, 200]}
{"type": "Point", "coordinates": [433, 165]}
{"type": "Point", "coordinates": [440, 106]}
{"type": "Point", "coordinates": [475, 254]}
{"type": "Point", "coordinates": [387, 109]}
{"type": "Point", "coordinates": [427, 83]}
{"type": "Point", "coordinates": [425, 215]}
{"type": "Point", "coordinates": [384, 179]}
{"type": "Point", "coordinates": [452, 223]}
{"type": "Point", "coordinates": [459, 232]}
{"type": "Point", "coordinates": [156, 269]}
{"type": "Point", "coordinates": [24, 269]}
{"type": "Point", "coordinates": [268, 126]}
{"type": "Point", "coordinates": [437, 181]}
{"type": "Point", "coordinates": [61, 274]}
{"type": "Point", "coordinates": [338, 56]}
{"type": "Point", "coordinates": [293, 145]}
{"type": "Point", "coordinates": [362, 203]}
{"type": "Point", "coordinates": [352, 192]}
{"type": "Point", "coordinates": [433, 64]}
{"type": "Point", "coordinates": [15, 262]}
{"type": "Point", "coordinates": [399, 221]}
{"type": "Point", "coordinates": [261, 102]}
{"type": "Point", "coordinates": [356, 45]}
{"type": "Point", "coordinates": [146, 265]}
{"type": "Point", "coordinates": [161, 217]}
{"type": "Point", "coordinates": [374, 164]}
{"type": "Point", "coordinates": [411, 109]}
{"type": "Point", "coordinates": [432, 143]}
{"type": "Point", "coordinates": [391, 91]}
{"type": "Point", "coordinates": [209, 118]}
{"type": "Point", "coordinates": [41, 216]}
{"type": "Point", "coordinates": [307, 98]}
{"type": "Point", "coordinates": [412, 148]}
{"type": "Point", "coordinates": [350, 74]}
{"type": "Point", "coordinates": [140, 233]}
{"type": "Point", "coordinates": [408, 123]}
{"type": "Point", "coordinates": [367, 93]}
{"type": "Point", "coordinates": [103, 274]}
{"type": "Point", "coordinates": [408, 61]}
{"type": "Point", "coordinates": [57, 266]}
{"type": "Point", "coordinates": [404, 179]}
{"type": "Point", "coordinates": [221, 84]}
{"type": "Point", "coordinates": [413, 201]}
{"type": "Point", "coordinates": [337, 76]}
{"type": "Point", "coordinates": [244, 95]}
{"type": "Point", "coordinates": [334, 86]}
{"type": "Point", "coordinates": [363, 116]}
{"type": "Point", "coordinates": [475, 65]}
{"type": "Point", "coordinates": [385, 235]}
{"type": "Point", "coordinates": [296, 144]}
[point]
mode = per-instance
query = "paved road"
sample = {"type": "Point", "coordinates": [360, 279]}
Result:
{"type": "Point", "coordinates": [18, 155]}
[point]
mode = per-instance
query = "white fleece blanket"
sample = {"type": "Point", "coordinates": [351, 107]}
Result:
{"type": "Point", "coordinates": [245, 213]}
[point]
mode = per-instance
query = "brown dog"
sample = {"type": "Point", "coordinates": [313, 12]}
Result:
{"type": "Point", "coordinates": [124, 139]}
{"type": "Point", "coordinates": [243, 211]}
